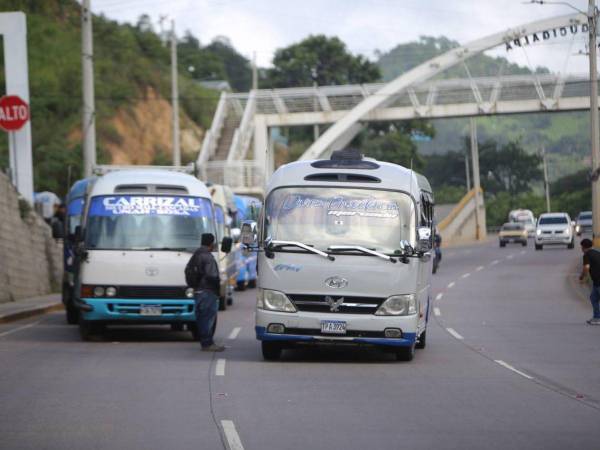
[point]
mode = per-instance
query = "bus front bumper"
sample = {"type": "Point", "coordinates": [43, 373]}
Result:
{"type": "Point", "coordinates": [138, 310]}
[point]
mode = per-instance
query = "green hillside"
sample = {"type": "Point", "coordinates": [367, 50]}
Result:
{"type": "Point", "coordinates": [564, 135]}
{"type": "Point", "coordinates": [131, 66]}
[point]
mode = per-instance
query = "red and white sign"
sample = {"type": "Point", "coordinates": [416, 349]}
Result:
{"type": "Point", "coordinates": [14, 113]}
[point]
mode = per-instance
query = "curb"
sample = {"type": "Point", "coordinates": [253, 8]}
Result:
{"type": "Point", "coordinates": [34, 311]}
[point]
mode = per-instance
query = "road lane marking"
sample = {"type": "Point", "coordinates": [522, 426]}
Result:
{"type": "Point", "coordinates": [234, 333]}
{"type": "Point", "coordinates": [233, 439]}
{"type": "Point", "coordinates": [466, 275]}
{"type": "Point", "coordinates": [451, 284]}
{"type": "Point", "coordinates": [480, 268]}
{"type": "Point", "coordinates": [453, 332]}
{"type": "Point", "coordinates": [437, 311]}
{"type": "Point", "coordinates": [510, 256]}
{"type": "Point", "coordinates": [439, 296]}
{"type": "Point", "coordinates": [220, 367]}
{"type": "Point", "coordinates": [494, 262]}
{"type": "Point", "coordinates": [24, 327]}
{"type": "Point", "coordinates": [509, 367]}
{"type": "Point", "coordinates": [523, 252]}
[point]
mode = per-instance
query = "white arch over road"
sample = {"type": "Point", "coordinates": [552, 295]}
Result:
{"type": "Point", "coordinates": [429, 69]}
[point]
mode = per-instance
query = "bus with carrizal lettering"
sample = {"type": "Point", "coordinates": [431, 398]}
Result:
{"type": "Point", "coordinates": [138, 231]}
{"type": "Point", "coordinates": [345, 256]}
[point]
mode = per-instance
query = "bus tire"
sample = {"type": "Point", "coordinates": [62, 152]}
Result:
{"type": "Point", "coordinates": [241, 286]}
{"type": "Point", "coordinates": [405, 353]}
{"type": "Point", "coordinates": [252, 284]}
{"type": "Point", "coordinates": [89, 330]}
{"type": "Point", "coordinates": [422, 341]}
{"type": "Point", "coordinates": [271, 351]}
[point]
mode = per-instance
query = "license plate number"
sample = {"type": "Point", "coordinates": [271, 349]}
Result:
{"type": "Point", "coordinates": [333, 327]}
{"type": "Point", "coordinates": [150, 310]}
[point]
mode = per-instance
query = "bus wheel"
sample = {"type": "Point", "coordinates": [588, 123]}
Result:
{"type": "Point", "coordinates": [192, 328]}
{"type": "Point", "coordinates": [177, 326]}
{"type": "Point", "coordinates": [88, 330]}
{"type": "Point", "coordinates": [405, 353]}
{"type": "Point", "coordinates": [422, 342]}
{"type": "Point", "coordinates": [252, 284]}
{"type": "Point", "coordinates": [271, 350]}
{"type": "Point", "coordinates": [241, 286]}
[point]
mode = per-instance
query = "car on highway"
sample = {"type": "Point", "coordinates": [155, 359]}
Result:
{"type": "Point", "coordinates": [344, 256]}
{"type": "Point", "coordinates": [513, 232]}
{"type": "Point", "coordinates": [554, 229]}
{"type": "Point", "coordinates": [583, 224]}
{"type": "Point", "coordinates": [524, 216]}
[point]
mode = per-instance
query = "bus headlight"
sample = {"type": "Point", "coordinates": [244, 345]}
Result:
{"type": "Point", "coordinates": [189, 292]}
{"type": "Point", "coordinates": [98, 291]}
{"type": "Point", "coordinates": [111, 291]}
{"type": "Point", "coordinates": [398, 305]}
{"type": "Point", "coordinates": [274, 301]}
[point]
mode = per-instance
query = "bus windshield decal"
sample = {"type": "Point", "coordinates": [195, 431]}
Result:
{"type": "Point", "coordinates": [344, 206]}
{"type": "Point", "coordinates": [148, 205]}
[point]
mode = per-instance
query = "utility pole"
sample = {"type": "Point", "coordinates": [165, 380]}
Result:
{"type": "Point", "coordinates": [546, 183]}
{"type": "Point", "coordinates": [89, 109]}
{"type": "Point", "coordinates": [594, 132]}
{"type": "Point", "coordinates": [175, 97]}
{"type": "Point", "coordinates": [468, 171]}
{"type": "Point", "coordinates": [476, 181]}
{"type": "Point", "coordinates": [254, 73]}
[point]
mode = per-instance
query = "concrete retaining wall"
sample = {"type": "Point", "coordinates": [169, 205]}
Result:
{"type": "Point", "coordinates": [30, 260]}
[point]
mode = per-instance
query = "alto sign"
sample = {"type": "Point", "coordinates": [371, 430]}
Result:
{"type": "Point", "coordinates": [14, 113]}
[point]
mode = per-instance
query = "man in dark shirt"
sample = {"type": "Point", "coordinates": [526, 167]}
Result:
{"type": "Point", "coordinates": [591, 265]}
{"type": "Point", "coordinates": [206, 292]}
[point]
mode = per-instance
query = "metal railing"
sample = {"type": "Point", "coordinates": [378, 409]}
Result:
{"type": "Point", "coordinates": [235, 174]}
{"type": "Point", "coordinates": [243, 135]}
{"type": "Point", "coordinates": [211, 138]}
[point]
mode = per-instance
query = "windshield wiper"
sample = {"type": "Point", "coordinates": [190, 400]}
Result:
{"type": "Point", "coordinates": [359, 248]}
{"type": "Point", "coordinates": [273, 244]}
{"type": "Point", "coordinates": [172, 249]}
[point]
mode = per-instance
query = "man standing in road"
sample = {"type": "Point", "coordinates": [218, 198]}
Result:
{"type": "Point", "coordinates": [591, 265]}
{"type": "Point", "coordinates": [202, 273]}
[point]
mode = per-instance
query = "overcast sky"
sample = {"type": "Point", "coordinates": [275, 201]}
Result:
{"type": "Point", "coordinates": [262, 26]}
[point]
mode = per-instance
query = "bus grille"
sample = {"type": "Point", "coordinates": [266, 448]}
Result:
{"type": "Point", "coordinates": [151, 292]}
{"type": "Point", "coordinates": [350, 305]}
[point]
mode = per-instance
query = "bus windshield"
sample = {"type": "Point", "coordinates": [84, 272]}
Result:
{"type": "Point", "coordinates": [130, 222]}
{"type": "Point", "coordinates": [322, 217]}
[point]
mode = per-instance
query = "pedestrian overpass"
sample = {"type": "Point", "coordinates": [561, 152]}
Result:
{"type": "Point", "coordinates": [238, 151]}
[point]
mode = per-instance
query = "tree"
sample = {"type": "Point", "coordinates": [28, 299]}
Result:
{"type": "Point", "coordinates": [237, 68]}
{"type": "Point", "coordinates": [323, 59]}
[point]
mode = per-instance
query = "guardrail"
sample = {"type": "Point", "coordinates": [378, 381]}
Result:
{"type": "Point", "coordinates": [211, 138]}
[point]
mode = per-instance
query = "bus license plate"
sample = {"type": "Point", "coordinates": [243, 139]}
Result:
{"type": "Point", "coordinates": [151, 310]}
{"type": "Point", "coordinates": [333, 327]}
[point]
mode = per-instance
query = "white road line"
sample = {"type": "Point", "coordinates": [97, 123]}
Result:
{"type": "Point", "coordinates": [24, 327]}
{"type": "Point", "coordinates": [235, 332]}
{"type": "Point", "coordinates": [233, 438]}
{"type": "Point", "coordinates": [480, 268]}
{"type": "Point", "coordinates": [509, 367]}
{"type": "Point", "coordinates": [466, 275]}
{"type": "Point", "coordinates": [451, 284]}
{"type": "Point", "coordinates": [453, 332]}
{"type": "Point", "coordinates": [510, 256]}
{"type": "Point", "coordinates": [494, 262]}
{"type": "Point", "coordinates": [439, 296]}
{"type": "Point", "coordinates": [220, 367]}
{"type": "Point", "coordinates": [437, 311]}
{"type": "Point", "coordinates": [523, 252]}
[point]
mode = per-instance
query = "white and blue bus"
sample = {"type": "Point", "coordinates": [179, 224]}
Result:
{"type": "Point", "coordinates": [139, 230]}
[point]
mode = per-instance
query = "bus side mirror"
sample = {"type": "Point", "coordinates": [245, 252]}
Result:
{"type": "Point", "coordinates": [78, 235]}
{"type": "Point", "coordinates": [226, 244]}
{"type": "Point", "coordinates": [236, 234]}
{"type": "Point", "coordinates": [58, 230]}
{"type": "Point", "coordinates": [248, 234]}
{"type": "Point", "coordinates": [423, 239]}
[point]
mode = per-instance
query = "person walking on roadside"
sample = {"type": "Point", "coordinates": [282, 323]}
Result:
{"type": "Point", "coordinates": [202, 274]}
{"type": "Point", "coordinates": [591, 266]}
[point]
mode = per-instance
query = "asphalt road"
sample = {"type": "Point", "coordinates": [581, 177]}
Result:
{"type": "Point", "coordinates": [509, 363]}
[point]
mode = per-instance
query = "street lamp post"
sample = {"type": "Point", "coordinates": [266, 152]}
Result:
{"type": "Point", "coordinates": [594, 134]}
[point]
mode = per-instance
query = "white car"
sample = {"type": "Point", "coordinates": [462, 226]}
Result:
{"type": "Point", "coordinates": [554, 229]}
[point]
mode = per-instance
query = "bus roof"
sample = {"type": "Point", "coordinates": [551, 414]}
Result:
{"type": "Point", "coordinates": [368, 173]}
{"type": "Point", "coordinates": [136, 180]}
